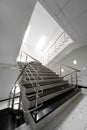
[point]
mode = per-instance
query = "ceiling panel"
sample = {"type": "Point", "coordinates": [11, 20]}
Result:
{"type": "Point", "coordinates": [62, 18]}
{"type": "Point", "coordinates": [62, 3]}
{"type": "Point", "coordinates": [74, 8]}
{"type": "Point", "coordinates": [72, 33]}
{"type": "Point", "coordinates": [52, 6]}
{"type": "Point", "coordinates": [80, 26]}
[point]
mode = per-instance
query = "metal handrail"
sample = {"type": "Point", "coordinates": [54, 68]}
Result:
{"type": "Point", "coordinates": [10, 68]}
{"type": "Point", "coordinates": [25, 68]}
{"type": "Point", "coordinates": [70, 67]}
{"type": "Point", "coordinates": [38, 75]}
{"type": "Point", "coordinates": [34, 70]}
{"type": "Point", "coordinates": [30, 79]}
{"type": "Point", "coordinates": [70, 74]}
{"type": "Point", "coordinates": [30, 56]}
{"type": "Point", "coordinates": [35, 88]}
{"type": "Point", "coordinates": [14, 86]}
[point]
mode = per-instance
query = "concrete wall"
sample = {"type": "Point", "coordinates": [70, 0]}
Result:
{"type": "Point", "coordinates": [80, 55]}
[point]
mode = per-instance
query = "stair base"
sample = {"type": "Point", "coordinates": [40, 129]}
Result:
{"type": "Point", "coordinates": [42, 123]}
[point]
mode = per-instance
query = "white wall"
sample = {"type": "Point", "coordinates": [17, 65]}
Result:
{"type": "Point", "coordinates": [80, 55]}
{"type": "Point", "coordinates": [7, 78]}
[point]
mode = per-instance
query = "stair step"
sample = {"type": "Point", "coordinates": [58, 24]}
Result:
{"type": "Point", "coordinates": [42, 82]}
{"type": "Point", "coordinates": [40, 77]}
{"type": "Point", "coordinates": [42, 74]}
{"type": "Point", "coordinates": [29, 90]}
{"type": "Point", "coordinates": [47, 92]}
{"type": "Point", "coordinates": [52, 104]}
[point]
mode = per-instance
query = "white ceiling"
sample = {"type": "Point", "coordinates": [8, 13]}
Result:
{"type": "Point", "coordinates": [15, 16]}
{"type": "Point", "coordinates": [41, 23]}
{"type": "Point", "coordinates": [72, 16]}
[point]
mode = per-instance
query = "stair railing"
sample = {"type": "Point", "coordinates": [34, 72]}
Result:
{"type": "Point", "coordinates": [38, 76]}
{"type": "Point", "coordinates": [38, 90]}
{"type": "Point", "coordinates": [13, 94]}
{"type": "Point", "coordinates": [70, 74]}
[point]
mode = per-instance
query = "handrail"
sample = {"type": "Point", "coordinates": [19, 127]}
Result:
{"type": "Point", "coordinates": [33, 68]}
{"type": "Point", "coordinates": [20, 74]}
{"type": "Point", "coordinates": [68, 74]}
{"type": "Point", "coordinates": [11, 68]}
{"type": "Point", "coordinates": [30, 79]}
{"type": "Point", "coordinates": [18, 78]}
{"type": "Point", "coordinates": [30, 56]}
{"type": "Point", "coordinates": [56, 40]}
{"type": "Point", "coordinates": [37, 77]}
{"type": "Point", "coordinates": [37, 85]}
{"type": "Point", "coordinates": [14, 86]}
{"type": "Point", "coordinates": [70, 67]}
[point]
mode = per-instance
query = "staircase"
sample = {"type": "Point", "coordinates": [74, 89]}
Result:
{"type": "Point", "coordinates": [44, 94]}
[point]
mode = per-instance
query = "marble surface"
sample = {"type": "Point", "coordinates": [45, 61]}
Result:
{"type": "Point", "coordinates": [73, 118]}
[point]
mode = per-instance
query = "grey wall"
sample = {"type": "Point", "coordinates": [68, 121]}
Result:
{"type": "Point", "coordinates": [80, 55]}
{"type": "Point", "coordinates": [7, 78]}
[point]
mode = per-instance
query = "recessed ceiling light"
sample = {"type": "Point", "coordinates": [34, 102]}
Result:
{"type": "Point", "coordinates": [74, 62]}
{"type": "Point", "coordinates": [41, 42]}
{"type": "Point", "coordinates": [62, 70]}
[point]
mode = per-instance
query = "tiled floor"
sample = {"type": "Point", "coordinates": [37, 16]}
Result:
{"type": "Point", "coordinates": [73, 118]}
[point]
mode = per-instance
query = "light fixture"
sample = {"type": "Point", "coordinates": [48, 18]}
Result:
{"type": "Point", "coordinates": [74, 62]}
{"type": "Point", "coordinates": [26, 35]}
{"type": "Point", "coordinates": [85, 68]}
{"type": "Point", "coordinates": [41, 42]}
{"type": "Point", "coordinates": [62, 70]}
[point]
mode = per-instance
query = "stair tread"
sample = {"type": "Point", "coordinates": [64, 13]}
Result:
{"type": "Point", "coordinates": [44, 90]}
{"type": "Point", "coordinates": [42, 81]}
{"type": "Point", "coordinates": [53, 104]}
{"type": "Point", "coordinates": [48, 91]}
{"type": "Point", "coordinates": [50, 85]}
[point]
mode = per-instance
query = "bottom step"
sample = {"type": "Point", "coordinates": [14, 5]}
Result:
{"type": "Point", "coordinates": [50, 109]}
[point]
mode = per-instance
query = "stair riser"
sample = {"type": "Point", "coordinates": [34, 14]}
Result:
{"type": "Point", "coordinates": [40, 77]}
{"type": "Point", "coordinates": [41, 74]}
{"type": "Point", "coordinates": [29, 90]}
{"type": "Point", "coordinates": [44, 83]}
{"type": "Point", "coordinates": [45, 98]}
{"type": "Point", "coordinates": [40, 125]}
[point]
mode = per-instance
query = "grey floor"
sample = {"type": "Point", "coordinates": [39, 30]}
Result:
{"type": "Point", "coordinates": [73, 118]}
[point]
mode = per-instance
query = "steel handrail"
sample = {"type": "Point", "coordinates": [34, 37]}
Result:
{"type": "Point", "coordinates": [37, 78]}
{"type": "Point", "coordinates": [14, 86]}
{"type": "Point", "coordinates": [30, 56]}
{"type": "Point", "coordinates": [35, 88]}
{"type": "Point", "coordinates": [70, 67]}
{"type": "Point", "coordinates": [68, 74]}
{"type": "Point", "coordinates": [74, 71]}
{"type": "Point", "coordinates": [33, 69]}
{"type": "Point", "coordinates": [30, 79]}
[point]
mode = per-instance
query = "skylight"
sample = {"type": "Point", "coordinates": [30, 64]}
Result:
{"type": "Point", "coordinates": [41, 42]}
{"type": "Point", "coordinates": [44, 38]}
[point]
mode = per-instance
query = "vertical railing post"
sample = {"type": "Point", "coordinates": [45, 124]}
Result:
{"type": "Point", "coordinates": [60, 71]}
{"type": "Point", "coordinates": [19, 107]}
{"type": "Point", "coordinates": [71, 79]}
{"type": "Point", "coordinates": [13, 98]}
{"type": "Point", "coordinates": [26, 58]}
{"type": "Point", "coordinates": [76, 80]}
